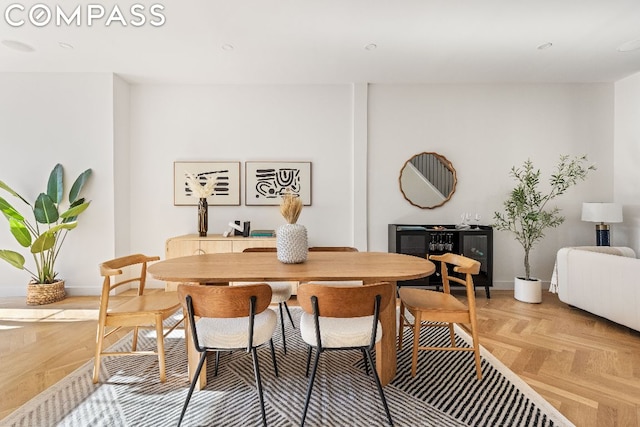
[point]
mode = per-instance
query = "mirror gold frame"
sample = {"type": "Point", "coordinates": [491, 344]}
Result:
{"type": "Point", "coordinates": [427, 180]}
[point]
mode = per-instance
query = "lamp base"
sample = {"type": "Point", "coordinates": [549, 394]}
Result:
{"type": "Point", "coordinates": [602, 235]}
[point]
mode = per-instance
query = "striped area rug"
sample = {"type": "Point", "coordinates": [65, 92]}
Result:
{"type": "Point", "coordinates": [444, 393]}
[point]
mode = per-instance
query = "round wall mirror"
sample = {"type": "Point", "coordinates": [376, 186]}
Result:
{"type": "Point", "coordinates": [428, 180]}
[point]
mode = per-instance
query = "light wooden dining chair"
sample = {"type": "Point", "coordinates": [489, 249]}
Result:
{"type": "Point", "coordinates": [280, 293]}
{"type": "Point", "coordinates": [230, 318]}
{"type": "Point", "coordinates": [425, 308]}
{"type": "Point", "coordinates": [328, 324]}
{"type": "Point", "coordinates": [143, 310]}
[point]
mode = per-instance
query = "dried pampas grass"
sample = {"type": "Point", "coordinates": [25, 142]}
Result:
{"type": "Point", "coordinates": [198, 189]}
{"type": "Point", "coordinates": [290, 207]}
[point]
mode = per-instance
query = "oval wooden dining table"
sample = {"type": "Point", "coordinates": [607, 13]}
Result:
{"type": "Point", "coordinates": [370, 267]}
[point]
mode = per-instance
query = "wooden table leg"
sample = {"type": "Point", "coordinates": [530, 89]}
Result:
{"type": "Point", "coordinates": [386, 356]}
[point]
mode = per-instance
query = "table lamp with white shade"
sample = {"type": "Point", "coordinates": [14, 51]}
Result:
{"type": "Point", "coordinates": [602, 214]}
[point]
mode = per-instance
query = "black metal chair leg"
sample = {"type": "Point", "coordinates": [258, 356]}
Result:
{"type": "Point", "coordinates": [377, 378]}
{"type": "Point", "coordinates": [366, 363]}
{"type": "Point", "coordinates": [215, 370]}
{"type": "Point", "coordinates": [273, 357]}
{"type": "Point", "coordinates": [284, 340]}
{"type": "Point", "coordinates": [306, 372]}
{"type": "Point", "coordinates": [289, 314]}
{"type": "Point", "coordinates": [310, 386]}
{"type": "Point", "coordinates": [256, 370]}
{"type": "Point", "coordinates": [193, 386]}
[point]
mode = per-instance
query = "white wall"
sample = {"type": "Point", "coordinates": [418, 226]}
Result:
{"type": "Point", "coordinates": [121, 155]}
{"type": "Point", "coordinates": [54, 118]}
{"type": "Point", "coordinates": [239, 123]}
{"type": "Point", "coordinates": [484, 130]}
{"type": "Point", "coordinates": [627, 158]}
{"type": "Point", "coordinates": [131, 136]}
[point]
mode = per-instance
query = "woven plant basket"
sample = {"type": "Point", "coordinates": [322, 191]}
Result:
{"type": "Point", "coordinates": [45, 293]}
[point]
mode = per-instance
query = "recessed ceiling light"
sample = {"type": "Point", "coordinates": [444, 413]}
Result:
{"type": "Point", "coordinates": [544, 46]}
{"type": "Point", "coordinates": [371, 46]}
{"type": "Point", "coordinates": [629, 46]}
{"type": "Point", "coordinates": [16, 45]}
{"type": "Point", "coordinates": [227, 47]}
{"type": "Point", "coordinates": [65, 45]}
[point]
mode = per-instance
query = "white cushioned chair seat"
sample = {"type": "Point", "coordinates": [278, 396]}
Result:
{"type": "Point", "coordinates": [234, 332]}
{"type": "Point", "coordinates": [339, 332]}
{"type": "Point", "coordinates": [280, 291]}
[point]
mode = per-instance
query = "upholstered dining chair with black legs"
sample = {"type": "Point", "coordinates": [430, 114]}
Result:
{"type": "Point", "coordinates": [230, 318]}
{"type": "Point", "coordinates": [142, 310]}
{"type": "Point", "coordinates": [280, 294]}
{"type": "Point", "coordinates": [342, 318]}
{"type": "Point", "coordinates": [425, 308]}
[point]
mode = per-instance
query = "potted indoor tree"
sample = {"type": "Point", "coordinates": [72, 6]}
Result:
{"type": "Point", "coordinates": [527, 213]}
{"type": "Point", "coordinates": [45, 234]}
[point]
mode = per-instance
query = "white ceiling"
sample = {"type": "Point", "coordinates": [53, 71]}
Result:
{"type": "Point", "coordinates": [323, 41]}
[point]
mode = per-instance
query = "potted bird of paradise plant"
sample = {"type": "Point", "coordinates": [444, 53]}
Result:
{"type": "Point", "coordinates": [45, 234]}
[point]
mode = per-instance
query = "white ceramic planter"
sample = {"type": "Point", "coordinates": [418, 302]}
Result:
{"type": "Point", "coordinates": [527, 290]}
{"type": "Point", "coordinates": [291, 243]}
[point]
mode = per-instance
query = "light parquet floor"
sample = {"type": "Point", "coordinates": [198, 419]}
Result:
{"type": "Point", "coordinates": [587, 367]}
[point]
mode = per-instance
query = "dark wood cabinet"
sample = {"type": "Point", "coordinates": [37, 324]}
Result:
{"type": "Point", "coordinates": [424, 240]}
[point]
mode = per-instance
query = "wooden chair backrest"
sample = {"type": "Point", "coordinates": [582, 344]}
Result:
{"type": "Point", "coordinates": [225, 301]}
{"type": "Point", "coordinates": [260, 250]}
{"type": "Point", "coordinates": [332, 249]}
{"type": "Point", "coordinates": [462, 263]}
{"type": "Point", "coordinates": [343, 302]}
{"type": "Point", "coordinates": [112, 268]}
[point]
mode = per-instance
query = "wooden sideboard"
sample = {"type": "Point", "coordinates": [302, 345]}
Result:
{"type": "Point", "coordinates": [192, 244]}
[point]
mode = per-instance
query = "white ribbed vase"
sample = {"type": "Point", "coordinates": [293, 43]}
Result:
{"type": "Point", "coordinates": [291, 243]}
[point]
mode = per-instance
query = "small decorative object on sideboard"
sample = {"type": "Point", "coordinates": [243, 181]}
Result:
{"type": "Point", "coordinates": [263, 233]}
{"type": "Point", "coordinates": [465, 217]}
{"type": "Point", "coordinates": [291, 238]}
{"type": "Point", "coordinates": [476, 218]}
{"type": "Point", "coordinates": [44, 245]}
{"type": "Point", "coordinates": [202, 191]}
{"type": "Point", "coordinates": [203, 217]}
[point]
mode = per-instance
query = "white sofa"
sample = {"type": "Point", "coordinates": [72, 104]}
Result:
{"type": "Point", "coordinates": [601, 280]}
